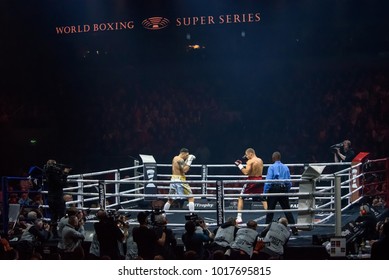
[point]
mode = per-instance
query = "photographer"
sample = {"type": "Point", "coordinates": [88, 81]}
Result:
{"type": "Point", "coordinates": [201, 227]}
{"type": "Point", "coordinates": [55, 176]}
{"type": "Point", "coordinates": [146, 239]}
{"type": "Point", "coordinates": [168, 249]}
{"type": "Point", "coordinates": [275, 237]}
{"type": "Point", "coordinates": [64, 221]}
{"type": "Point", "coordinates": [246, 238]}
{"type": "Point", "coordinates": [32, 239]}
{"type": "Point", "coordinates": [343, 151]}
{"type": "Point", "coordinates": [367, 221]}
{"type": "Point", "coordinates": [123, 225]}
{"type": "Point", "coordinates": [72, 239]}
{"type": "Point", "coordinates": [225, 235]}
{"type": "Point", "coordinates": [108, 234]}
{"type": "Point", "coordinates": [196, 237]}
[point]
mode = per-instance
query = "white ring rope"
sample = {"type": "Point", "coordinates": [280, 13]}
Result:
{"type": "Point", "coordinates": [128, 190]}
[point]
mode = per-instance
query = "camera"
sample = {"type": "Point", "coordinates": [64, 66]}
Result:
{"type": "Point", "coordinates": [152, 214]}
{"type": "Point", "coordinates": [65, 168]}
{"type": "Point", "coordinates": [54, 176]}
{"type": "Point", "coordinates": [55, 171]}
{"type": "Point", "coordinates": [194, 218]}
{"type": "Point", "coordinates": [115, 216]}
{"type": "Point", "coordinates": [336, 146]}
{"type": "Point", "coordinates": [112, 214]}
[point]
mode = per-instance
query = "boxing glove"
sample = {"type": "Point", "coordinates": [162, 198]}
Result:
{"type": "Point", "coordinates": [190, 159]}
{"type": "Point", "coordinates": [239, 164]}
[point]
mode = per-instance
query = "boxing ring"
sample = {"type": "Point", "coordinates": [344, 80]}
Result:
{"type": "Point", "coordinates": [215, 194]}
{"type": "Point", "coordinates": [321, 192]}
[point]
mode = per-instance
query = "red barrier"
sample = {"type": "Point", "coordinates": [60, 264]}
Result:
{"type": "Point", "coordinates": [376, 180]}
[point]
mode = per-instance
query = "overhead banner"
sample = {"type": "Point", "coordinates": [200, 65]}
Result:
{"type": "Point", "coordinates": [158, 22]}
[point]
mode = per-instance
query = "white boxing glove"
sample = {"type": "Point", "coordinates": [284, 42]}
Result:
{"type": "Point", "coordinates": [239, 164]}
{"type": "Point", "coordinates": [190, 159]}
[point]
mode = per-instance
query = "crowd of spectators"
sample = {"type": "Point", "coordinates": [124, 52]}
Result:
{"type": "Point", "coordinates": [106, 125]}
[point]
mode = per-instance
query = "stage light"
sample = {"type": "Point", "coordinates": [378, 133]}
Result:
{"type": "Point", "coordinates": [194, 47]}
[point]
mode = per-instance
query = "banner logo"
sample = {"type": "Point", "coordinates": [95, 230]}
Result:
{"type": "Point", "coordinates": [158, 23]}
{"type": "Point", "coordinates": [155, 23]}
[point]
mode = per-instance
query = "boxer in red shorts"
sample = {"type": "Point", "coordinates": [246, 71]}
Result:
{"type": "Point", "coordinates": [253, 170]}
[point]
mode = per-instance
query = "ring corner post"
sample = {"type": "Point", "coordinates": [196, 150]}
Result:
{"type": "Point", "coordinates": [220, 202]}
{"type": "Point", "coordinates": [308, 185]}
{"type": "Point", "coordinates": [102, 194]}
{"type": "Point", "coordinates": [338, 206]}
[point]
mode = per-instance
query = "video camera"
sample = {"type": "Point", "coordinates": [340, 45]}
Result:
{"type": "Point", "coordinates": [62, 167]}
{"type": "Point", "coordinates": [55, 175]}
{"type": "Point", "coordinates": [336, 146]}
{"type": "Point", "coordinates": [54, 167]}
